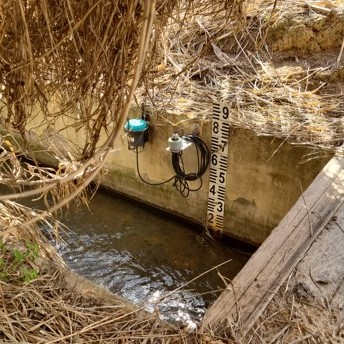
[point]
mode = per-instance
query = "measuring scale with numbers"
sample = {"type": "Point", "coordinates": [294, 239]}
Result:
{"type": "Point", "coordinates": [218, 167]}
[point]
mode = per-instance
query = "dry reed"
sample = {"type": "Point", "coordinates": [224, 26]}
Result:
{"type": "Point", "coordinates": [89, 57]}
{"type": "Point", "coordinates": [78, 63]}
{"type": "Point", "coordinates": [44, 312]}
{"type": "Point", "coordinates": [284, 95]}
{"type": "Point", "coordinates": [292, 318]}
{"type": "Point", "coordinates": [61, 307]}
{"type": "Point", "coordinates": [52, 308]}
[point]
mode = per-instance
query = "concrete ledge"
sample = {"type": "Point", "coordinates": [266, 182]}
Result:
{"type": "Point", "coordinates": [265, 175]}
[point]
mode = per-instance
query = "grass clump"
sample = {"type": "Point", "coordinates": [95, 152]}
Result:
{"type": "Point", "coordinates": [18, 265]}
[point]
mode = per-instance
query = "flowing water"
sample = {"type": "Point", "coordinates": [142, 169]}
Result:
{"type": "Point", "coordinates": [142, 255]}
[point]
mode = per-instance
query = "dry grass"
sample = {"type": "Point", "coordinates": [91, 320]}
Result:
{"type": "Point", "coordinates": [90, 57]}
{"type": "Point", "coordinates": [53, 308]}
{"type": "Point", "coordinates": [45, 312]}
{"type": "Point", "coordinates": [78, 63]}
{"type": "Point", "coordinates": [290, 318]}
{"type": "Point", "coordinates": [61, 307]}
{"type": "Point", "coordinates": [285, 95]}
{"type": "Point", "coordinates": [80, 67]}
{"type": "Point", "coordinates": [87, 57]}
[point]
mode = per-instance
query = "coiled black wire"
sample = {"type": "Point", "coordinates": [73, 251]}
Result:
{"type": "Point", "coordinates": [181, 178]}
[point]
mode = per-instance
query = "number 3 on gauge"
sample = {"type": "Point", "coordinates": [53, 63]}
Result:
{"type": "Point", "coordinates": [219, 206]}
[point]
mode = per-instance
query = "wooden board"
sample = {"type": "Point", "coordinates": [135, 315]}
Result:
{"type": "Point", "coordinates": [253, 288]}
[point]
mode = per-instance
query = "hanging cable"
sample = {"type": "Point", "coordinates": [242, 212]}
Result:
{"type": "Point", "coordinates": [203, 156]}
{"type": "Point", "coordinates": [140, 176]}
{"type": "Point", "coordinates": [181, 178]}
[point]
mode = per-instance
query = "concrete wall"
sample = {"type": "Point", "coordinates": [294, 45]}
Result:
{"type": "Point", "coordinates": [264, 176]}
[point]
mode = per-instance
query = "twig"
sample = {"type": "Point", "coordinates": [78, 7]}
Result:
{"type": "Point", "coordinates": [340, 53]}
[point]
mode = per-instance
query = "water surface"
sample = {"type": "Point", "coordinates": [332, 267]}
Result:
{"type": "Point", "coordinates": [142, 254]}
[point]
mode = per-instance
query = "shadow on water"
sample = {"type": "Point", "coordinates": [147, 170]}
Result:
{"type": "Point", "coordinates": [142, 254]}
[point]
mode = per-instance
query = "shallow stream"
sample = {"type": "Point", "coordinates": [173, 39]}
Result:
{"type": "Point", "coordinates": [142, 254]}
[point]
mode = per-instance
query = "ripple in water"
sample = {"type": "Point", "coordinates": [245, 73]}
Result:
{"type": "Point", "coordinates": [142, 256]}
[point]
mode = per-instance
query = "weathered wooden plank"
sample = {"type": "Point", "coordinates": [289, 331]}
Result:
{"type": "Point", "coordinates": [255, 285]}
{"type": "Point", "coordinates": [284, 261]}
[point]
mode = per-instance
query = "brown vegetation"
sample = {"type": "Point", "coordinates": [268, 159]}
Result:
{"type": "Point", "coordinates": [94, 58]}
{"type": "Point", "coordinates": [82, 62]}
